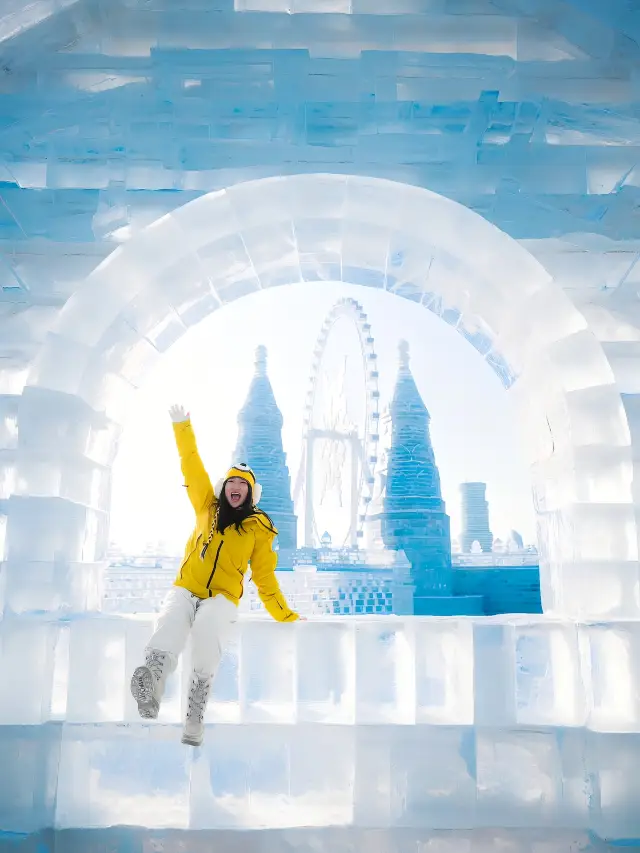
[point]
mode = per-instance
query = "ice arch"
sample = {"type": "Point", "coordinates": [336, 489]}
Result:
{"type": "Point", "coordinates": [306, 228]}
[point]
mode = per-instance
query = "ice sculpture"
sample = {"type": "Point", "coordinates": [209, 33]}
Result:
{"type": "Point", "coordinates": [475, 517]}
{"type": "Point", "coordinates": [158, 160]}
{"type": "Point", "coordinates": [260, 444]}
{"type": "Point", "coordinates": [414, 518]}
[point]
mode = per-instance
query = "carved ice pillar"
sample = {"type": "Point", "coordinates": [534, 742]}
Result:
{"type": "Point", "coordinates": [58, 512]}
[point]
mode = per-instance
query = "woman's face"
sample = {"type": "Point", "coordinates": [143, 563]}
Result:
{"type": "Point", "coordinates": [236, 491]}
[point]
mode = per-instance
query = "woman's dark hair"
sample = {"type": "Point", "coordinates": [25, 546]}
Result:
{"type": "Point", "coordinates": [227, 515]}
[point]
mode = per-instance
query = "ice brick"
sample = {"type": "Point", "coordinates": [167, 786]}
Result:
{"type": "Point", "coordinates": [267, 672]}
{"type": "Point", "coordinates": [51, 586]}
{"type": "Point", "coordinates": [224, 704]}
{"type": "Point", "coordinates": [30, 756]}
{"type": "Point", "coordinates": [594, 589]}
{"type": "Point", "coordinates": [548, 678]}
{"type": "Point", "coordinates": [66, 530]}
{"type": "Point", "coordinates": [521, 779]}
{"type": "Point", "coordinates": [433, 777]}
{"type": "Point", "coordinates": [27, 649]}
{"type": "Point", "coordinates": [8, 421]}
{"type": "Point", "coordinates": [385, 672]}
{"type": "Point", "coordinates": [274, 776]}
{"type": "Point", "coordinates": [326, 673]}
{"type": "Point", "coordinates": [444, 671]}
{"type": "Point", "coordinates": [494, 674]}
{"type": "Point", "coordinates": [70, 476]}
{"type": "Point", "coordinates": [114, 775]}
{"type": "Point", "coordinates": [57, 422]}
{"type": "Point", "coordinates": [7, 473]}
{"type": "Point", "coordinates": [614, 787]}
{"type": "Point", "coordinates": [97, 678]}
{"type": "Point", "coordinates": [611, 665]}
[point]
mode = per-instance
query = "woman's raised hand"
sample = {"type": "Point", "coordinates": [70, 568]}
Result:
{"type": "Point", "coordinates": [178, 414]}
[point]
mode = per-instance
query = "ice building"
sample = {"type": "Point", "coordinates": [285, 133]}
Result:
{"type": "Point", "coordinates": [480, 159]}
{"type": "Point", "coordinates": [475, 517]}
{"type": "Point", "coordinates": [414, 518]}
{"type": "Point", "coordinates": [260, 445]}
{"type": "Point", "coordinates": [515, 541]}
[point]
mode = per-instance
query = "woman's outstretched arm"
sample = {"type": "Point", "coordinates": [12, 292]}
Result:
{"type": "Point", "coordinates": [196, 479]}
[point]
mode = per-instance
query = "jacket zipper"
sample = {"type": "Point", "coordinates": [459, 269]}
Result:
{"type": "Point", "coordinates": [186, 559]}
{"type": "Point", "coordinates": [215, 565]}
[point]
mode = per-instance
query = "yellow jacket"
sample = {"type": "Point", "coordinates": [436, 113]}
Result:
{"type": "Point", "coordinates": [229, 554]}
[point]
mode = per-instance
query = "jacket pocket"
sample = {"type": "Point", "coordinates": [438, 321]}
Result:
{"type": "Point", "coordinates": [235, 562]}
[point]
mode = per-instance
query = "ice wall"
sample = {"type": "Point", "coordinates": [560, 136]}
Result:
{"type": "Point", "coordinates": [472, 730]}
{"type": "Point", "coordinates": [345, 139]}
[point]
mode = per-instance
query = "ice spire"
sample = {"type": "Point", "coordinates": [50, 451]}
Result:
{"type": "Point", "coordinates": [260, 445]}
{"type": "Point", "coordinates": [403, 348]}
{"type": "Point", "coordinates": [261, 361]}
{"type": "Point", "coordinates": [414, 517]}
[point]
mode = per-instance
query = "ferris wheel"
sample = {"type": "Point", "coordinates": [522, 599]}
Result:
{"type": "Point", "coordinates": [335, 479]}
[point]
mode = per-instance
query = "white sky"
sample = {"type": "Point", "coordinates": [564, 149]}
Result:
{"type": "Point", "coordinates": [473, 425]}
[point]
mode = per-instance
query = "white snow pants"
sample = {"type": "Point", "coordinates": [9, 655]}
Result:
{"type": "Point", "coordinates": [211, 622]}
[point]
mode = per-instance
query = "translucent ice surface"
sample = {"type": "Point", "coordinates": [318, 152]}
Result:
{"type": "Point", "coordinates": [421, 724]}
{"type": "Point", "coordinates": [161, 158]}
{"type": "Point", "coordinates": [264, 233]}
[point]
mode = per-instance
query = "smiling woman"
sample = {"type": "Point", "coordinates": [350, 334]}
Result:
{"type": "Point", "coordinates": [230, 535]}
{"type": "Point", "coordinates": [236, 490]}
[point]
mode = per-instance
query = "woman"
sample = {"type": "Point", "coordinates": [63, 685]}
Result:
{"type": "Point", "coordinates": [230, 533]}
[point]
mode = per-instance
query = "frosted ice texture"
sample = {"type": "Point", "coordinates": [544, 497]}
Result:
{"type": "Point", "coordinates": [404, 723]}
{"type": "Point", "coordinates": [345, 140]}
{"type": "Point", "coordinates": [478, 727]}
{"type": "Point", "coordinates": [253, 235]}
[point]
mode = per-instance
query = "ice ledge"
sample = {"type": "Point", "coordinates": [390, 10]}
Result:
{"type": "Point", "coordinates": [283, 777]}
{"type": "Point", "coordinates": [339, 839]}
{"type": "Point", "coordinates": [458, 724]}
{"type": "Point", "coordinates": [503, 672]}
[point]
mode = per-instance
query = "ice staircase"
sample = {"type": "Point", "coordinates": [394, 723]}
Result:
{"type": "Point", "coordinates": [384, 734]}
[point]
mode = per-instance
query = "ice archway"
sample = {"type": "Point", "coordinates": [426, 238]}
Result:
{"type": "Point", "coordinates": [262, 233]}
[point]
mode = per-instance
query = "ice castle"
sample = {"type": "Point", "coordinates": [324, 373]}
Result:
{"type": "Point", "coordinates": [161, 158]}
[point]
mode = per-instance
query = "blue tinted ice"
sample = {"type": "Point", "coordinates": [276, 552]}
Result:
{"type": "Point", "coordinates": [161, 159]}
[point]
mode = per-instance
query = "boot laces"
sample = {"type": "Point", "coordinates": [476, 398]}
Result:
{"type": "Point", "coordinates": [198, 698]}
{"type": "Point", "coordinates": [155, 663]}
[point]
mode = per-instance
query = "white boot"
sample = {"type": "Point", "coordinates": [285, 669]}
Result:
{"type": "Point", "coordinates": [147, 683]}
{"type": "Point", "coordinates": [199, 689]}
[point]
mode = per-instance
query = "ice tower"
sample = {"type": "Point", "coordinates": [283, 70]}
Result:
{"type": "Point", "coordinates": [260, 445]}
{"type": "Point", "coordinates": [478, 158]}
{"type": "Point", "coordinates": [414, 517]}
{"type": "Point", "coordinates": [475, 517]}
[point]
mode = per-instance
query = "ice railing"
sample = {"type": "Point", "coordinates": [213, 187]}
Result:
{"type": "Point", "coordinates": [452, 723]}
{"type": "Point", "coordinates": [491, 671]}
